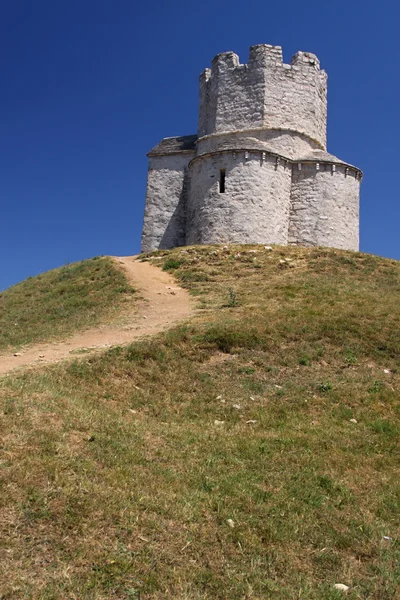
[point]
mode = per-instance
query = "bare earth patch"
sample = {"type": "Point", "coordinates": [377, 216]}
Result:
{"type": "Point", "coordinates": [162, 304]}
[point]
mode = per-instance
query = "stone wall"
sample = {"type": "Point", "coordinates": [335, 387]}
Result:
{"type": "Point", "coordinates": [324, 208]}
{"type": "Point", "coordinates": [264, 125]}
{"type": "Point", "coordinates": [267, 199]}
{"type": "Point", "coordinates": [289, 144]}
{"type": "Point", "coordinates": [164, 218]}
{"type": "Point", "coordinates": [264, 93]}
{"type": "Point", "coordinates": [255, 205]}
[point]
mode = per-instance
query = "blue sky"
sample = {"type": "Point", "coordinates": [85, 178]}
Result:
{"type": "Point", "coordinates": [89, 86]}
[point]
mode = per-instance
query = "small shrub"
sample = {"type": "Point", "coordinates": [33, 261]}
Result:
{"type": "Point", "coordinates": [326, 483]}
{"type": "Point", "coordinates": [350, 358]}
{"type": "Point", "coordinates": [304, 361]}
{"type": "Point", "coordinates": [325, 386]}
{"type": "Point", "coordinates": [171, 264]}
{"type": "Point", "coordinates": [233, 301]}
{"type": "Point", "coordinates": [376, 387]}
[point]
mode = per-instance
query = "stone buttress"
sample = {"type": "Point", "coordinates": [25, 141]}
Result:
{"type": "Point", "coordinates": [258, 170]}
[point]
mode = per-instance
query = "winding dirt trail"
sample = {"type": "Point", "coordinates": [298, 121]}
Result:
{"type": "Point", "coordinates": [162, 304]}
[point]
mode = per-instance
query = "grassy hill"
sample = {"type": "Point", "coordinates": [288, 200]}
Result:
{"type": "Point", "coordinates": [60, 302]}
{"type": "Point", "coordinates": [251, 453]}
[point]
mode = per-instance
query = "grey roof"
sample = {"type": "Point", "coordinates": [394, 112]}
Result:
{"type": "Point", "coordinates": [187, 144]}
{"type": "Point", "coordinates": [323, 156]}
{"type": "Point", "coordinates": [174, 145]}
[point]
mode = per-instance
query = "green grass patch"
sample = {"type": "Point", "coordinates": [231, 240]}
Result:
{"type": "Point", "coordinates": [60, 302]}
{"type": "Point", "coordinates": [251, 453]}
{"type": "Point", "coordinates": [171, 264]}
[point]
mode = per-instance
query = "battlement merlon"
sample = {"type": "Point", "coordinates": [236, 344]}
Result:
{"type": "Point", "coordinates": [265, 55]}
{"type": "Point", "coordinates": [265, 92]}
{"type": "Point", "coordinates": [262, 55]}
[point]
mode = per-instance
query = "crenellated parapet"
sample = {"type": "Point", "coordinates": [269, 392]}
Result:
{"type": "Point", "coordinates": [265, 93]}
{"type": "Point", "coordinates": [258, 170]}
{"type": "Point", "coordinates": [319, 163]}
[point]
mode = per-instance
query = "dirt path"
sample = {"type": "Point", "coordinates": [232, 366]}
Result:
{"type": "Point", "coordinates": [162, 304]}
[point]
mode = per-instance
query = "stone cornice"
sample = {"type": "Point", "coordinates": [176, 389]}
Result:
{"type": "Point", "coordinates": [261, 130]}
{"type": "Point", "coordinates": [280, 157]}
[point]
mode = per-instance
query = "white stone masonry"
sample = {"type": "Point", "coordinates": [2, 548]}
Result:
{"type": "Point", "coordinates": [258, 170]}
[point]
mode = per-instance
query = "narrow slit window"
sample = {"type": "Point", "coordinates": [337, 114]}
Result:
{"type": "Point", "coordinates": [222, 176]}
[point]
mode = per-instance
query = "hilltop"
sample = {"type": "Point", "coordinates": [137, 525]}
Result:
{"type": "Point", "coordinates": [250, 452]}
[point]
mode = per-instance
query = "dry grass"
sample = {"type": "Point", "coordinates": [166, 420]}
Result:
{"type": "Point", "coordinates": [121, 472]}
{"type": "Point", "coordinates": [60, 302]}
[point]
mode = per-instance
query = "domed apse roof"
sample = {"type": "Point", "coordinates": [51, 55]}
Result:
{"type": "Point", "coordinates": [323, 156]}
{"type": "Point", "coordinates": [174, 145]}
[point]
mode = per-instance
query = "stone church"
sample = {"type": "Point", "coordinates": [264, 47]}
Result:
{"type": "Point", "coordinates": [257, 171]}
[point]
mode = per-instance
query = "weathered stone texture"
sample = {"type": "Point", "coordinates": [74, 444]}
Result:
{"type": "Point", "coordinates": [164, 218]}
{"type": "Point", "coordinates": [285, 143]}
{"type": "Point", "coordinates": [264, 93]}
{"type": "Point", "coordinates": [250, 210]}
{"type": "Point", "coordinates": [324, 207]}
{"type": "Point", "coordinates": [264, 124]}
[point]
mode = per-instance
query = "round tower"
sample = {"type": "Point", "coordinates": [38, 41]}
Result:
{"type": "Point", "coordinates": [258, 170]}
{"type": "Point", "coordinates": [256, 122]}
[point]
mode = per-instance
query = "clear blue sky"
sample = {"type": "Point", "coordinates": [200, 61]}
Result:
{"type": "Point", "coordinates": [89, 86]}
